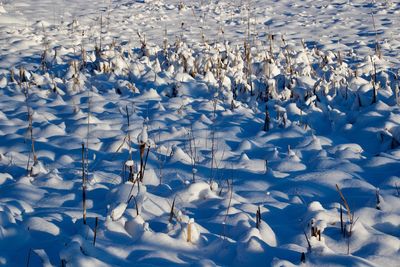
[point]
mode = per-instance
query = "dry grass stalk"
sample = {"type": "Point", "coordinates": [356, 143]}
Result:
{"type": "Point", "coordinates": [25, 86]}
{"type": "Point", "coordinates": [30, 118]}
{"type": "Point", "coordinates": [131, 167]}
{"type": "Point", "coordinates": [83, 184]}
{"type": "Point", "coordinates": [95, 230]}
{"type": "Point", "coordinates": [378, 200]}
{"type": "Point", "coordinates": [88, 136]}
{"type": "Point", "coordinates": [12, 76]}
{"type": "Point", "coordinates": [29, 257]}
{"type": "Point", "coordinates": [142, 147]}
{"type": "Point", "coordinates": [213, 149]}
{"type": "Point", "coordinates": [83, 56]}
{"type": "Point", "coordinates": [315, 231]}
{"type": "Point", "coordinates": [192, 152]}
{"type": "Point", "coordinates": [161, 159]}
{"type": "Point", "coordinates": [267, 120]}
{"type": "Point", "coordinates": [349, 214]}
{"type": "Point", "coordinates": [230, 188]}
{"type": "Point", "coordinates": [341, 221]}
{"type": "Point", "coordinates": [189, 232]}
{"type": "Point", "coordinates": [171, 213]}
{"type": "Point", "coordinates": [271, 38]}
{"type": "Point", "coordinates": [143, 163]}
{"type": "Point", "coordinates": [101, 31]}
{"type": "Point", "coordinates": [374, 81]}
{"type": "Point", "coordinates": [378, 51]}
{"type": "Point", "coordinates": [136, 206]}
{"type": "Point", "coordinates": [349, 235]}
{"type": "Point", "coordinates": [303, 258]}
{"type": "Point", "coordinates": [308, 241]}
{"type": "Point", "coordinates": [258, 218]}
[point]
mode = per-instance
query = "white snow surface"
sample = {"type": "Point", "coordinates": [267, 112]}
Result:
{"type": "Point", "coordinates": [84, 83]}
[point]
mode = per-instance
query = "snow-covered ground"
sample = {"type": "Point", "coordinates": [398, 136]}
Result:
{"type": "Point", "coordinates": [205, 133]}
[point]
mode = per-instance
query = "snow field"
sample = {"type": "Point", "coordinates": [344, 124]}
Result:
{"type": "Point", "coordinates": [230, 130]}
